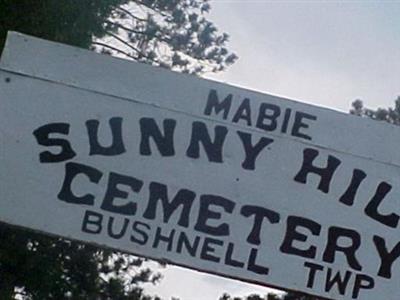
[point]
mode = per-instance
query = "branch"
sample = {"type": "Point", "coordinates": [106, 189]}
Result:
{"type": "Point", "coordinates": [125, 43]}
{"type": "Point", "coordinates": [114, 48]}
{"type": "Point", "coordinates": [129, 13]}
{"type": "Point", "coordinates": [136, 31]}
{"type": "Point", "coordinates": [124, 27]}
{"type": "Point", "coordinates": [130, 46]}
{"type": "Point", "coordinates": [154, 9]}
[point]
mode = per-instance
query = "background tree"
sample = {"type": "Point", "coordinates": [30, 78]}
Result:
{"type": "Point", "coordinates": [390, 115]}
{"type": "Point", "coordinates": [173, 34]}
{"type": "Point", "coordinates": [271, 296]}
{"type": "Point", "coordinates": [169, 33]}
{"type": "Point", "coordinates": [70, 22]}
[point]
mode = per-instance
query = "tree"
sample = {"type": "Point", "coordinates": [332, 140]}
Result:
{"type": "Point", "coordinates": [169, 33]}
{"type": "Point", "coordinates": [272, 296]}
{"type": "Point", "coordinates": [298, 296]}
{"type": "Point", "coordinates": [390, 115]}
{"type": "Point", "coordinates": [250, 297]}
{"type": "Point", "coordinates": [173, 34]}
{"type": "Point", "coordinates": [70, 22]}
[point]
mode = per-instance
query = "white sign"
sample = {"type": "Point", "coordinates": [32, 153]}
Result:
{"type": "Point", "coordinates": [197, 173]}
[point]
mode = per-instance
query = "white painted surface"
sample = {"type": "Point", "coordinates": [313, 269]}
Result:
{"type": "Point", "coordinates": [185, 93]}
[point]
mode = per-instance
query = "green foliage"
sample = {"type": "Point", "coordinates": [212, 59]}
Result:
{"type": "Point", "coordinates": [42, 267]}
{"type": "Point", "coordinates": [298, 296]}
{"type": "Point", "coordinates": [390, 115]}
{"type": "Point", "coordinates": [271, 296]}
{"type": "Point", "coordinates": [174, 34]}
{"type": "Point", "coordinates": [170, 33]}
{"type": "Point", "coordinates": [72, 22]}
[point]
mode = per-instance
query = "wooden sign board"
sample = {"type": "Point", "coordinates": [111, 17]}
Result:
{"type": "Point", "coordinates": [197, 173]}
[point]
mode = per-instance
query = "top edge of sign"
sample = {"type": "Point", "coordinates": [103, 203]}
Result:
{"type": "Point", "coordinates": [139, 82]}
{"type": "Point", "coordinates": [32, 56]}
{"type": "Point", "coordinates": [49, 60]}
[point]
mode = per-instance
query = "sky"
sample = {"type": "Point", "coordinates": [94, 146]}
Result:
{"type": "Point", "coordinates": [327, 53]}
